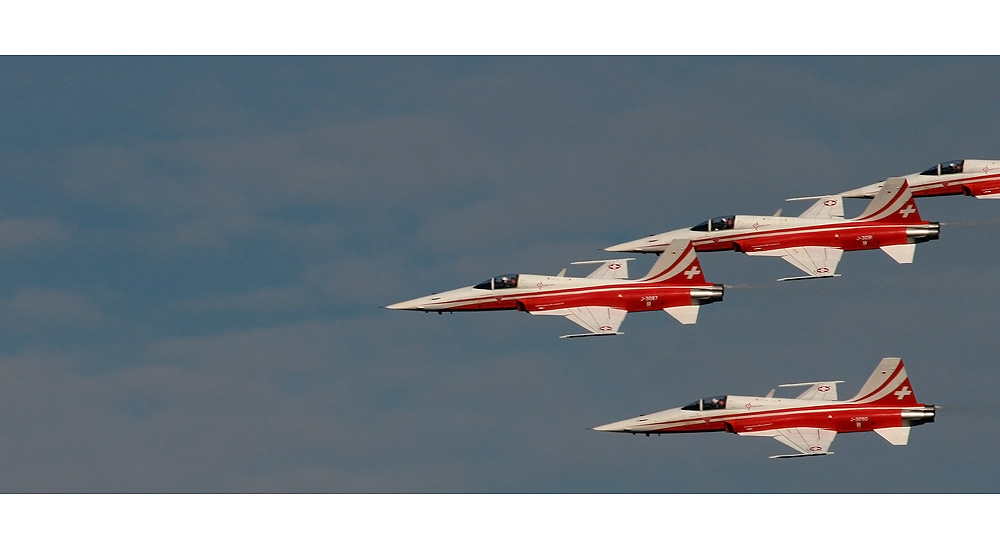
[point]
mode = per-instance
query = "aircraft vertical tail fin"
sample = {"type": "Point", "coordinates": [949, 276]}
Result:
{"type": "Point", "coordinates": [893, 202]}
{"type": "Point", "coordinates": [888, 385]}
{"type": "Point", "coordinates": [678, 263]}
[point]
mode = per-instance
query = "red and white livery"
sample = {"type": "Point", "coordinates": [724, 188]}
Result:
{"type": "Point", "coordinates": [814, 241]}
{"type": "Point", "coordinates": [598, 302]}
{"type": "Point", "coordinates": [808, 423]}
{"type": "Point", "coordinates": [970, 177]}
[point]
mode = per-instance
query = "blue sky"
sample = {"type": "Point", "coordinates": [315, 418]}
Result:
{"type": "Point", "coordinates": [195, 253]}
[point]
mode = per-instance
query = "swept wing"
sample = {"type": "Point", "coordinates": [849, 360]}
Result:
{"type": "Point", "coordinates": [599, 321]}
{"type": "Point", "coordinates": [807, 441]}
{"type": "Point", "coordinates": [816, 261]}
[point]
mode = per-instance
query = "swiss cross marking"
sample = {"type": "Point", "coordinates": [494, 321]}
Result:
{"type": "Point", "coordinates": [823, 388]}
{"type": "Point", "coordinates": [908, 210]}
{"type": "Point", "coordinates": [829, 202]}
{"type": "Point", "coordinates": [902, 393]}
{"type": "Point", "coordinates": [614, 266]}
{"type": "Point", "coordinates": [823, 270]}
{"type": "Point", "coordinates": [815, 448]}
{"type": "Point", "coordinates": [605, 328]}
{"type": "Point", "coordinates": [692, 272]}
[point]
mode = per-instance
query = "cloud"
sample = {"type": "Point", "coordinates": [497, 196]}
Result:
{"type": "Point", "coordinates": [30, 310]}
{"type": "Point", "coordinates": [31, 234]}
{"type": "Point", "coordinates": [194, 282]}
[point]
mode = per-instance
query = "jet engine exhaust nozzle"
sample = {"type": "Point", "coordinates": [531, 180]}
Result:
{"type": "Point", "coordinates": [707, 295]}
{"type": "Point", "coordinates": [923, 234]}
{"type": "Point", "coordinates": [916, 417]}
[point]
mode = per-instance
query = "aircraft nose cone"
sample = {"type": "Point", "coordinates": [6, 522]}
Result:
{"type": "Point", "coordinates": [640, 245]}
{"type": "Point", "coordinates": [624, 247]}
{"type": "Point", "coordinates": [415, 305]}
{"type": "Point", "coordinates": [621, 426]}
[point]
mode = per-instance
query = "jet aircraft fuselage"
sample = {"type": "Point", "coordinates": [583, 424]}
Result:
{"type": "Point", "coordinates": [527, 292]}
{"type": "Point", "coordinates": [808, 423]}
{"type": "Point", "coordinates": [814, 241]}
{"type": "Point", "coordinates": [972, 177]}
{"type": "Point", "coordinates": [598, 302]}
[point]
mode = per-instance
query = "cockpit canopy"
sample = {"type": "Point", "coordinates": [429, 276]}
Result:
{"type": "Point", "coordinates": [500, 281]}
{"type": "Point", "coordinates": [949, 167]}
{"type": "Point", "coordinates": [707, 404]}
{"type": "Point", "coordinates": [716, 224]}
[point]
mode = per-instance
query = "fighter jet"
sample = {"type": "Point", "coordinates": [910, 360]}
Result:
{"type": "Point", "coordinates": [808, 423]}
{"type": "Point", "coordinates": [597, 302]}
{"type": "Point", "coordinates": [814, 241]}
{"type": "Point", "coordinates": [978, 178]}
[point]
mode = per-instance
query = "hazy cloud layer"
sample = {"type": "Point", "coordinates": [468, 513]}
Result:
{"type": "Point", "coordinates": [196, 252]}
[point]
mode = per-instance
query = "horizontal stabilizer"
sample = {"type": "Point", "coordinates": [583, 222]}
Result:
{"type": "Point", "coordinates": [902, 253]}
{"type": "Point", "coordinates": [897, 436]}
{"type": "Point", "coordinates": [687, 315]}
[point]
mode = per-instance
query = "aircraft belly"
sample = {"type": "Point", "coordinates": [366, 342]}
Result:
{"type": "Point", "coordinates": [592, 298]}
{"type": "Point", "coordinates": [990, 190]}
{"type": "Point", "coordinates": [705, 425]}
{"type": "Point", "coordinates": [870, 239]}
{"type": "Point", "coordinates": [975, 186]}
{"type": "Point", "coordinates": [490, 304]}
{"type": "Point", "coordinates": [815, 419]}
{"type": "Point", "coordinates": [937, 191]}
{"type": "Point", "coordinates": [628, 299]}
{"type": "Point", "coordinates": [712, 245]}
{"type": "Point", "coordinates": [842, 421]}
{"type": "Point", "coordinates": [824, 237]}
{"type": "Point", "coordinates": [867, 420]}
{"type": "Point", "coordinates": [653, 299]}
